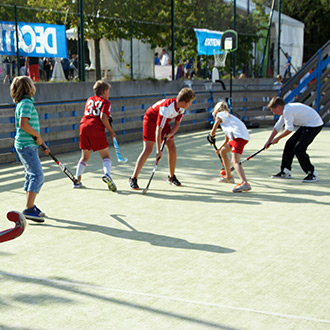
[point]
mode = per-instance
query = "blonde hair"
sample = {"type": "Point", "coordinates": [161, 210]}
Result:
{"type": "Point", "coordinates": [220, 106]}
{"type": "Point", "coordinates": [186, 95]}
{"type": "Point", "coordinates": [20, 87]}
{"type": "Point", "coordinates": [100, 86]}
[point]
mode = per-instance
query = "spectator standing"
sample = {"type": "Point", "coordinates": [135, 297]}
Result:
{"type": "Point", "coordinates": [47, 66]}
{"type": "Point", "coordinates": [66, 68]}
{"type": "Point", "coordinates": [32, 67]}
{"type": "Point", "coordinates": [157, 60]}
{"type": "Point", "coordinates": [287, 66]}
{"type": "Point", "coordinates": [279, 82]}
{"type": "Point", "coordinates": [165, 58]}
{"type": "Point", "coordinates": [22, 67]}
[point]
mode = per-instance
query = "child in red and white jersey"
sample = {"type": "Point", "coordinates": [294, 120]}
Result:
{"type": "Point", "coordinates": [156, 126]}
{"type": "Point", "coordinates": [92, 132]}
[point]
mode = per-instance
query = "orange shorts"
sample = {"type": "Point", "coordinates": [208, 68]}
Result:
{"type": "Point", "coordinates": [237, 145]}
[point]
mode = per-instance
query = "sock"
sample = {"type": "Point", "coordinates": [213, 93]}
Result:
{"type": "Point", "coordinates": [81, 166]}
{"type": "Point", "coordinates": [107, 166]}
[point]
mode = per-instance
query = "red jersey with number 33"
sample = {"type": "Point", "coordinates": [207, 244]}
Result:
{"type": "Point", "coordinates": [93, 108]}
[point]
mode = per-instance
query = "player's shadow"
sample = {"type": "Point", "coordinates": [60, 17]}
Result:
{"type": "Point", "coordinates": [135, 235]}
{"type": "Point", "coordinates": [220, 197]}
{"type": "Point", "coordinates": [67, 286]}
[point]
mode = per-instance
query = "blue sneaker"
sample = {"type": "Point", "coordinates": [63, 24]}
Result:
{"type": "Point", "coordinates": [77, 185]}
{"type": "Point", "coordinates": [107, 179]}
{"type": "Point", "coordinates": [41, 214]}
{"type": "Point", "coordinates": [33, 214]}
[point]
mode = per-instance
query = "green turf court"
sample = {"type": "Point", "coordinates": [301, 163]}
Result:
{"type": "Point", "coordinates": [190, 257]}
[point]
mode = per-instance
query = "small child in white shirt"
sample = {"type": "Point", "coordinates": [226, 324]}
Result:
{"type": "Point", "coordinates": [236, 137]}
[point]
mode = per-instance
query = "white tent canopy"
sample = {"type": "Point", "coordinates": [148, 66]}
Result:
{"type": "Point", "coordinates": [115, 57]}
{"type": "Point", "coordinates": [72, 34]}
{"type": "Point", "coordinates": [292, 35]}
{"type": "Point", "coordinates": [292, 40]}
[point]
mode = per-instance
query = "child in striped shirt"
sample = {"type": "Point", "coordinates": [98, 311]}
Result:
{"type": "Point", "coordinates": [27, 125]}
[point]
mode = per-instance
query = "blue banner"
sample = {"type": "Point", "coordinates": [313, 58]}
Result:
{"type": "Point", "coordinates": [34, 39]}
{"type": "Point", "coordinates": [208, 42]}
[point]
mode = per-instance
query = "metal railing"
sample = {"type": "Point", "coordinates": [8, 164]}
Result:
{"type": "Point", "coordinates": [311, 84]}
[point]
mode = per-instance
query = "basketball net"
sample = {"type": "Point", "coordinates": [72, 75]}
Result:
{"type": "Point", "coordinates": [220, 59]}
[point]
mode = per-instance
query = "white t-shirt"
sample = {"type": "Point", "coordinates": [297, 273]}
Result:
{"type": "Point", "coordinates": [233, 127]}
{"type": "Point", "coordinates": [165, 59]}
{"type": "Point", "coordinates": [298, 114]}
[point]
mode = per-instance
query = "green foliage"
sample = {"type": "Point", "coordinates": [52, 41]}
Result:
{"type": "Point", "coordinates": [150, 21]}
{"type": "Point", "coordinates": [315, 14]}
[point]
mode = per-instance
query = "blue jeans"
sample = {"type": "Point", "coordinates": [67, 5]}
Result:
{"type": "Point", "coordinates": [34, 176]}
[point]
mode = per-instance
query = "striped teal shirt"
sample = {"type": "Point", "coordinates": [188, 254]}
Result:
{"type": "Point", "coordinates": [25, 108]}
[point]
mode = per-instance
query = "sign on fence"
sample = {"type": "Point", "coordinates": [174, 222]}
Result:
{"type": "Point", "coordinates": [34, 39]}
{"type": "Point", "coordinates": [208, 41]}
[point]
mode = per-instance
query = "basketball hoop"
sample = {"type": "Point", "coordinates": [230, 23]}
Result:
{"type": "Point", "coordinates": [220, 59]}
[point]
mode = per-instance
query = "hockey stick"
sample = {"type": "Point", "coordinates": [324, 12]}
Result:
{"type": "Point", "coordinates": [154, 170]}
{"type": "Point", "coordinates": [63, 167]}
{"type": "Point", "coordinates": [18, 230]}
{"type": "Point", "coordinates": [115, 144]}
{"type": "Point", "coordinates": [215, 148]}
{"type": "Point", "coordinates": [251, 156]}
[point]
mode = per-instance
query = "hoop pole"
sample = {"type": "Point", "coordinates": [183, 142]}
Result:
{"type": "Point", "coordinates": [231, 80]}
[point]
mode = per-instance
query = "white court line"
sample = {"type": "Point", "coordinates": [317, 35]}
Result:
{"type": "Point", "coordinates": [136, 293]}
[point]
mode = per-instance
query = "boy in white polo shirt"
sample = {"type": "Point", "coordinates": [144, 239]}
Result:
{"type": "Point", "coordinates": [310, 124]}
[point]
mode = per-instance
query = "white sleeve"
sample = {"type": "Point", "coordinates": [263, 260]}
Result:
{"type": "Point", "coordinates": [279, 124]}
{"type": "Point", "coordinates": [288, 121]}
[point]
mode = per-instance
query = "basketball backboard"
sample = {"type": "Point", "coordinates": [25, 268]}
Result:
{"type": "Point", "coordinates": [229, 41]}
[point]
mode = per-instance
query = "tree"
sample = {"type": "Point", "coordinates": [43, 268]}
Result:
{"type": "Point", "coordinates": [151, 22]}
{"type": "Point", "coordinates": [315, 14]}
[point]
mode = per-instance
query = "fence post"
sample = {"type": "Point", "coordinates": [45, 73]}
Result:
{"type": "Point", "coordinates": [74, 126]}
{"type": "Point", "coordinates": [211, 101]}
{"type": "Point", "coordinates": [318, 89]}
{"type": "Point", "coordinates": [123, 120]}
{"type": "Point", "coordinates": [142, 107]}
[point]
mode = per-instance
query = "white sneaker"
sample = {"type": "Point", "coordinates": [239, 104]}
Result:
{"type": "Point", "coordinates": [108, 180]}
{"type": "Point", "coordinates": [242, 187]}
{"type": "Point", "coordinates": [311, 177]}
{"type": "Point", "coordinates": [223, 179]}
{"type": "Point", "coordinates": [285, 174]}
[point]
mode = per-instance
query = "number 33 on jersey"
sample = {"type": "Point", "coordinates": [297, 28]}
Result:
{"type": "Point", "coordinates": [96, 105]}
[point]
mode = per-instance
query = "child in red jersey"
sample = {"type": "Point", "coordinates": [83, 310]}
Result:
{"type": "Point", "coordinates": [92, 132]}
{"type": "Point", "coordinates": [156, 127]}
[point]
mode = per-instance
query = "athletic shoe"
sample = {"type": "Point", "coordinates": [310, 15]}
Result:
{"type": "Point", "coordinates": [132, 182]}
{"type": "Point", "coordinates": [173, 180]}
{"type": "Point", "coordinates": [111, 185]}
{"type": "Point", "coordinates": [33, 214]}
{"type": "Point", "coordinates": [223, 179]}
{"type": "Point", "coordinates": [284, 174]}
{"type": "Point", "coordinates": [77, 185]}
{"type": "Point", "coordinates": [41, 214]}
{"type": "Point", "coordinates": [242, 187]}
{"type": "Point", "coordinates": [311, 177]}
